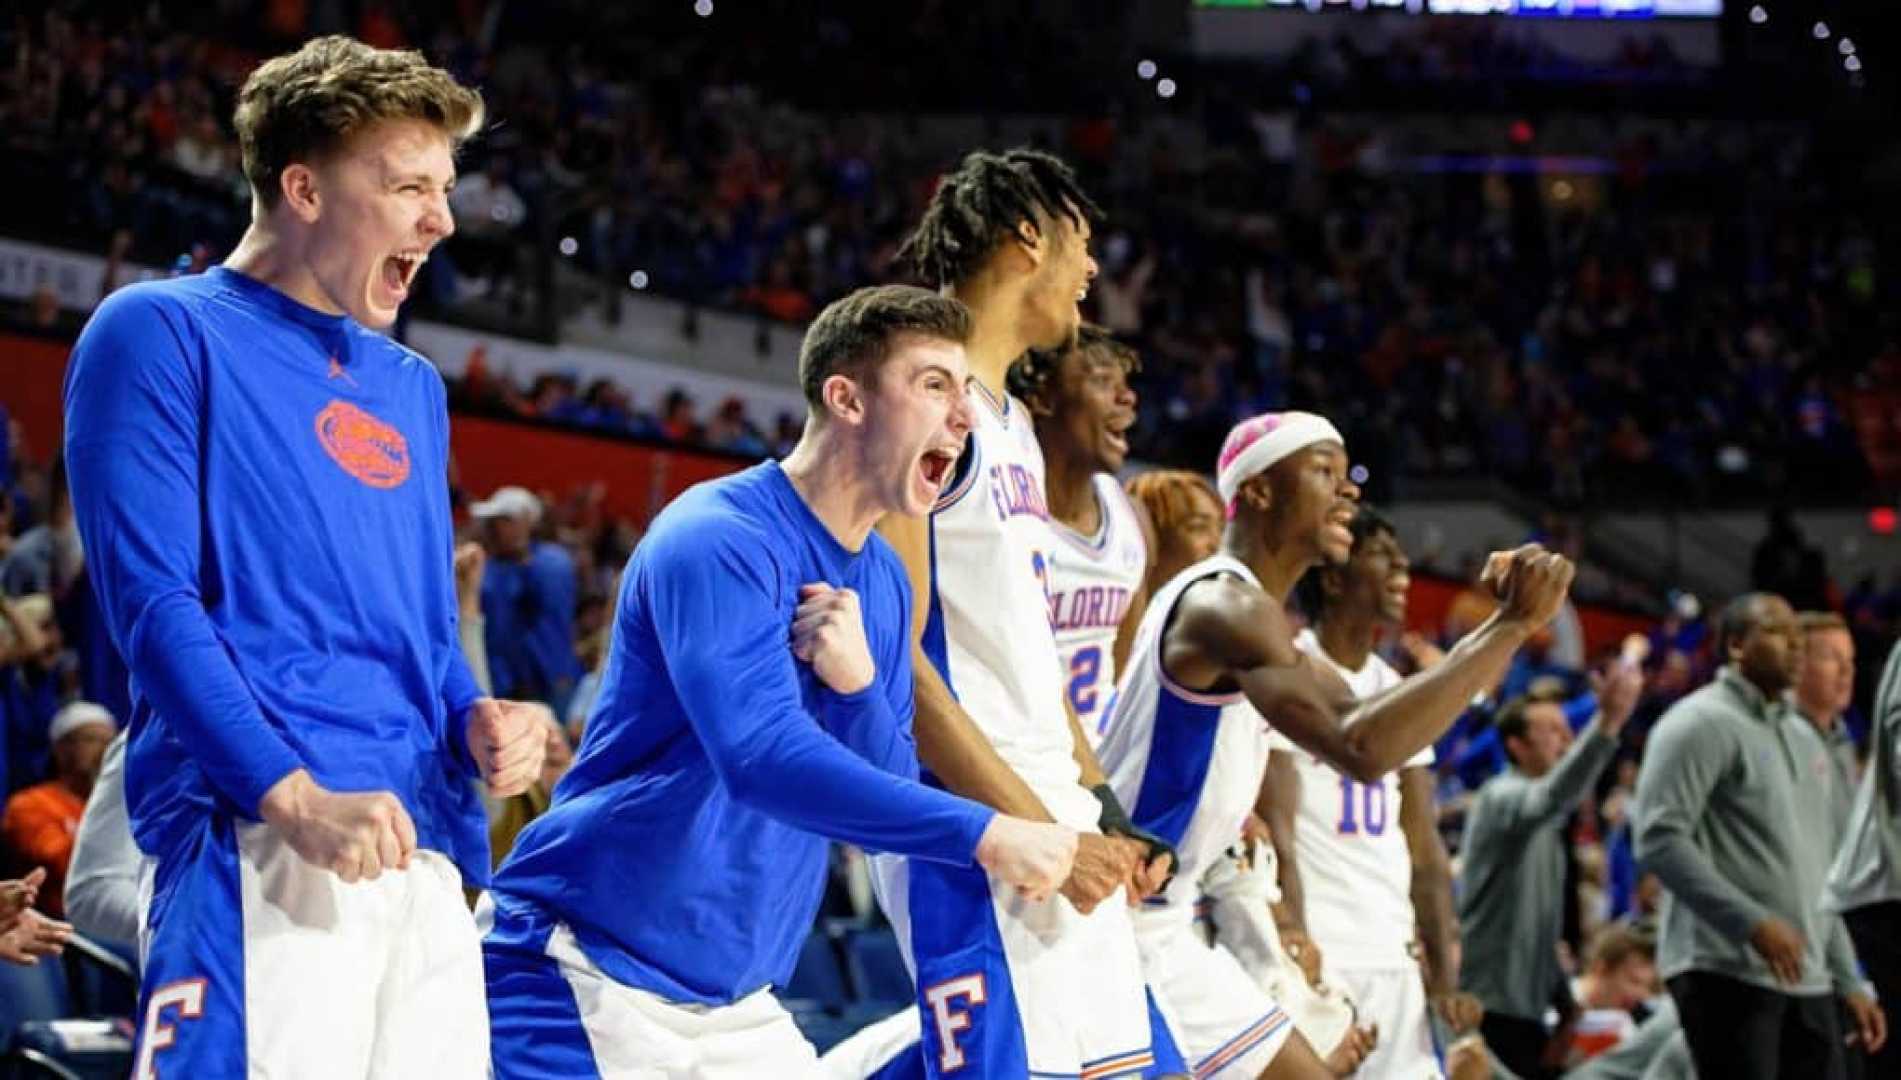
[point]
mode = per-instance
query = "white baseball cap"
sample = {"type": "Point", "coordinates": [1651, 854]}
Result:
{"type": "Point", "coordinates": [509, 501]}
{"type": "Point", "coordinates": [78, 715]}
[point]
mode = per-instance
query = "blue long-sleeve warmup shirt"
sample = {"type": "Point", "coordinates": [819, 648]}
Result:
{"type": "Point", "coordinates": [262, 492]}
{"type": "Point", "coordinates": [686, 847]}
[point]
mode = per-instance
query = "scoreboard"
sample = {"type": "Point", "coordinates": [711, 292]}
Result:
{"type": "Point", "coordinates": [1536, 9]}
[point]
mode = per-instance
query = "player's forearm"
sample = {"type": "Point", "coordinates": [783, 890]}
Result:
{"type": "Point", "coordinates": [789, 768]}
{"type": "Point", "coordinates": [1437, 923]}
{"type": "Point", "coordinates": [1277, 804]}
{"type": "Point", "coordinates": [1385, 731]}
{"type": "Point", "coordinates": [1092, 774]}
{"type": "Point", "coordinates": [957, 753]}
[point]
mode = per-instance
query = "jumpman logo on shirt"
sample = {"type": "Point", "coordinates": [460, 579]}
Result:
{"type": "Point", "coordinates": [337, 372]}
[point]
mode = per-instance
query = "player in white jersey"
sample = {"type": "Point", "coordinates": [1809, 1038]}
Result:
{"type": "Point", "coordinates": [1187, 748]}
{"type": "Point", "coordinates": [1355, 858]}
{"type": "Point", "coordinates": [1008, 986]}
{"type": "Point", "coordinates": [1082, 408]}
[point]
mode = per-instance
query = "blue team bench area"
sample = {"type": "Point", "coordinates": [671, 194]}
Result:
{"type": "Point", "coordinates": [69, 1017]}
{"type": "Point", "coordinates": [849, 974]}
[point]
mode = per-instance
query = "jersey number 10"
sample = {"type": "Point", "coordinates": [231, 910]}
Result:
{"type": "Point", "coordinates": [1369, 800]}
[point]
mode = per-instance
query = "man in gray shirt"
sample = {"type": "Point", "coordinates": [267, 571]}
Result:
{"type": "Point", "coordinates": [1751, 960]}
{"type": "Point", "coordinates": [1511, 910]}
{"type": "Point", "coordinates": [1864, 885]}
{"type": "Point", "coordinates": [1822, 693]}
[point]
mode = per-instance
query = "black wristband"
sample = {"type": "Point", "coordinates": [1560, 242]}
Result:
{"type": "Point", "coordinates": [1114, 821]}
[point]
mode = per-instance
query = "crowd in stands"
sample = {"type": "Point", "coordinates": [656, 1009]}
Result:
{"type": "Point", "coordinates": [1681, 324]}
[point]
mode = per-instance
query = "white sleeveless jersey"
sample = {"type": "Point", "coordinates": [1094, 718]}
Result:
{"type": "Point", "coordinates": [1186, 764]}
{"type": "Point", "coordinates": [988, 629]}
{"type": "Point", "coordinates": [1355, 868]}
{"type": "Point", "coordinates": [1092, 581]}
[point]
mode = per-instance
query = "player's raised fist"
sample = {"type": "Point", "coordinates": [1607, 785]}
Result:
{"type": "Point", "coordinates": [356, 835]}
{"type": "Point", "coordinates": [508, 740]}
{"type": "Point", "coordinates": [1530, 583]}
{"type": "Point", "coordinates": [1034, 856]}
{"type": "Point", "coordinates": [829, 633]}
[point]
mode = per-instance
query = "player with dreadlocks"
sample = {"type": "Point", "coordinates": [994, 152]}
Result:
{"type": "Point", "coordinates": [1082, 408]}
{"type": "Point", "coordinates": [1012, 985]}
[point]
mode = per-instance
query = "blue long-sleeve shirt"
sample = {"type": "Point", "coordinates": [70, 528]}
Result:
{"type": "Point", "coordinates": [686, 847]}
{"type": "Point", "coordinates": [263, 497]}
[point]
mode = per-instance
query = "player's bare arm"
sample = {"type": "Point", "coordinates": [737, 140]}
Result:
{"type": "Point", "coordinates": [1226, 630]}
{"type": "Point", "coordinates": [1438, 921]}
{"type": "Point", "coordinates": [949, 742]}
{"type": "Point", "coordinates": [1278, 804]}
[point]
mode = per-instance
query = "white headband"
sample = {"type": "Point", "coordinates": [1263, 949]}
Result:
{"type": "Point", "coordinates": [1257, 443]}
{"type": "Point", "coordinates": [75, 716]}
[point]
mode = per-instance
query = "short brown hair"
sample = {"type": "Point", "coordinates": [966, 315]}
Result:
{"type": "Point", "coordinates": [1816, 621]}
{"type": "Point", "coordinates": [1034, 372]}
{"type": "Point", "coordinates": [853, 336]}
{"type": "Point", "coordinates": [304, 105]}
{"type": "Point", "coordinates": [1616, 943]}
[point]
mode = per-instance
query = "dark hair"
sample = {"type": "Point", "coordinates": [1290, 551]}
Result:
{"type": "Point", "coordinates": [853, 336]}
{"type": "Point", "coordinates": [1511, 721]}
{"type": "Point", "coordinates": [1736, 621]}
{"type": "Point", "coordinates": [983, 200]}
{"type": "Point", "coordinates": [1031, 375]}
{"type": "Point", "coordinates": [1310, 595]}
{"type": "Point", "coordinates": [305, 104]}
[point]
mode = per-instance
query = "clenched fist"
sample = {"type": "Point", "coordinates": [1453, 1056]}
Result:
{"type": "Point", "coordinates": [355, 835]}
{"type": "Point", "coordinates": [1034, 856]}
{"type": "Point", "coordinates": [509, 740]}
{"type": "Point", "coordinates": [1529, 582]}
{"type": "Point", "coordinates": [829, 633]}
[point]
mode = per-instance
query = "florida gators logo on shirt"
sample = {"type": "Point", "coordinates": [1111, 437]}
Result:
{"type": "Point", "coordinates": [367, 448]}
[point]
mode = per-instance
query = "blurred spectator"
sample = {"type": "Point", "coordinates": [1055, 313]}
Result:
{"type": "Point", "coordinates": [488, 212]}
{"type": "Point", "coordinates": [528, 602]}
{"type": "Point", "coordinates": [1511, 907]}
{"type": "Point", "coordinates": [1823, 692]}
{"type": "Point", "coordinates": [46, 558]}
{"type": "Point", "coordinates": [729, 430]}
{"type": "Point", "coordinates": [33, 682]}
{"type": "Point", "coordinates": [1620, 976]}
{"type": "Point", "coordinates": [42, 821]}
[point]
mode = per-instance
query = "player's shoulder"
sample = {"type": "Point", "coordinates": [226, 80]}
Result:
{"type": "Point", "coordinates": [405, 361]}
{"type": "Point", "coordinates": [729, 514]}
{"type": "Point", "coordinates": [1226, 616]}
{"type": "Point", "coordinates": [144, 307]}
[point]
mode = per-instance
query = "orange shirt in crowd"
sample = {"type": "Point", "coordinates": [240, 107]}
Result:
{"type": "Point", "coordinates": [40, 825]}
